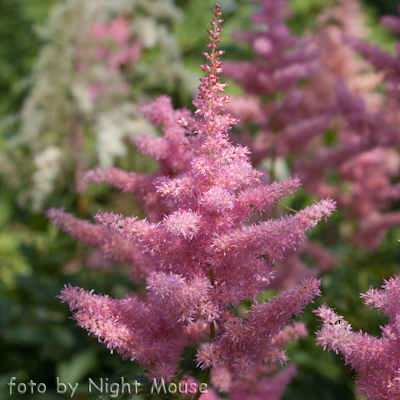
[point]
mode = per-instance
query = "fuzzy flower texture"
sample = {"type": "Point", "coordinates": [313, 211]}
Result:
{"type": "Point", "coordinates": [377, 360]}
{"type": "Point", "coordinates": [200, 256]}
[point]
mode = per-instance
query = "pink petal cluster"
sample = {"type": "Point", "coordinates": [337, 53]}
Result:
{"type": "Point", "coordinates": [120, 32]}
{"type": "Point", "coordinates": [287, 126]}
{"type": "Point", "coordinates": [376, 360]}
{"type": "Point", "coordinates": [340, 96]}
{"type": "Point", "coordinates": [108, 45]}
{"type": "Point", "coordinates": [261, 381]}
{"type": "Point", "coordinates": [170, 152]}
{"type": "Point", "coordinates": [111, 246]}
{"type": "Point", "coordinates": [362, 159]}
{"type": "Point", "coordinates": [247, 343]}
{"type": "Point", "coordinates": [145, 332]}
{"type": "Point", "coordinates": [337, 60]}
{"type": "Point", "coordinates": [119, 29]}
{"type": "Point", "coordinates": [281, 58]}
{"type": "Point", "coordinates": [262, 386]}
{"type": "Point", "coordinates": [207, 256]}
{"type": "Point", "coordinates": [367, 158]}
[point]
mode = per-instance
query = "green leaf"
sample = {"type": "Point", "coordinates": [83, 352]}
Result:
{"type": "Point", "coordinates": [77, 367]}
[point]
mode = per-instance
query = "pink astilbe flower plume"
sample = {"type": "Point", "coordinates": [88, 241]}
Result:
{"type": "Point", "coordinates": [261, 385]}
{"type": "Point", "coordinates": [261, 382]}
{"type": "Point", "coordinates": [368, 145]}
{"type": "Point", "coordinates": [299, 91]}
{"type": "Point", "coordinates": [144, 332]}
{"type": "Point", "coordinates": [281, 59]}
{"type": "Point", "coordinates": [376, 360]}
{"type": "Point", "coordinates": [292, 118]}
{"type": "Point", "coordinates": [112, 246]}
{"type": "Point", "coordinates": [168, 150]}
{"type": "Point", "coordinates": [247, 343]}
{"type": "Point", "coordinates": [207, 256]}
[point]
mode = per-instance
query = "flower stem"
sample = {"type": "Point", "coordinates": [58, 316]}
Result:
{"type": "Point", "coordinates": [203, 380]}
{"type": "Point", "coordinates": [212, 330]}
{"type": "Point", "coordinates": [287, 208]}
{"type": "Point", "coordinates": [212, 277]}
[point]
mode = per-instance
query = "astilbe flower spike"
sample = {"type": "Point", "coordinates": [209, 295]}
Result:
{"type": "Point", "coordinates": [366, 158]}
{"type": "Point", "coordinates": [168, 150]}
{"type": "Point", "coordinates": [285, 127]}
{"type": "Point", "coordinates": [206, 257]}
{"type": "Point", "coordinates": [377, 360]}
{"type": "Point", "coordinates": [111, 245]}
{"type": "Point", "coordinates": [357, 168]}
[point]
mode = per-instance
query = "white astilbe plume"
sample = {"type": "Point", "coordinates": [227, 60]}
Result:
{"type": "Point", "coordinates": [88, 76]}
{"type": "Point", "coordinates": [47, 164]}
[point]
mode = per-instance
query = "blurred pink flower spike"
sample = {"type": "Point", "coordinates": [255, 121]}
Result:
{"type": "Point", "coordinates": [376, 360]}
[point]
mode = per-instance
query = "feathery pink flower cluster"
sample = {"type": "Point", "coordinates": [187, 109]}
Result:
{"type": "Point", "coordinates": [207, 258]}
{"type": "Point", "coordinates": [338, 61]}
{"type": "Point", "coordinates": [119, 29]}
{"type": "Point", "coordinates": [367, 159]}
{"type": "Point", "coordinates": [377, 360]}
{"type": "Point", "coordinates": [363, 155]}
{"type": "Point", "coordinates": [113, 44]}
{"type": "Point", "coordinates": [281, 58]}
{"type": "Point", "coordinates": [168, 150]}
{"type": "Point", "coordinates": [111, 246]}
{"type": "Point", "coordinates": [286, 126]}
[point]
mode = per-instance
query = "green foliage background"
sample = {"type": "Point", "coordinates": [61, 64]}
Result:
{"type": "Point", "coordinates": [38, 341]}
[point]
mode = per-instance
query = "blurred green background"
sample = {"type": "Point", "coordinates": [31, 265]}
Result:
{"type": "Point", "coordinates": [38, 341]}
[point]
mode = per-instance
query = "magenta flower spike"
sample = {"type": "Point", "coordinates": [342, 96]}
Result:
{"type": "Point", "coordinates": [377, 360]}
{"type": "Point", "coordinates": [205, 255]}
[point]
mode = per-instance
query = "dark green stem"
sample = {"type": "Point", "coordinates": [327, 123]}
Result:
{"type": "Point", "coordinates": [203, 380]}
{"type": "Point", "coordinates": [177, 394]}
